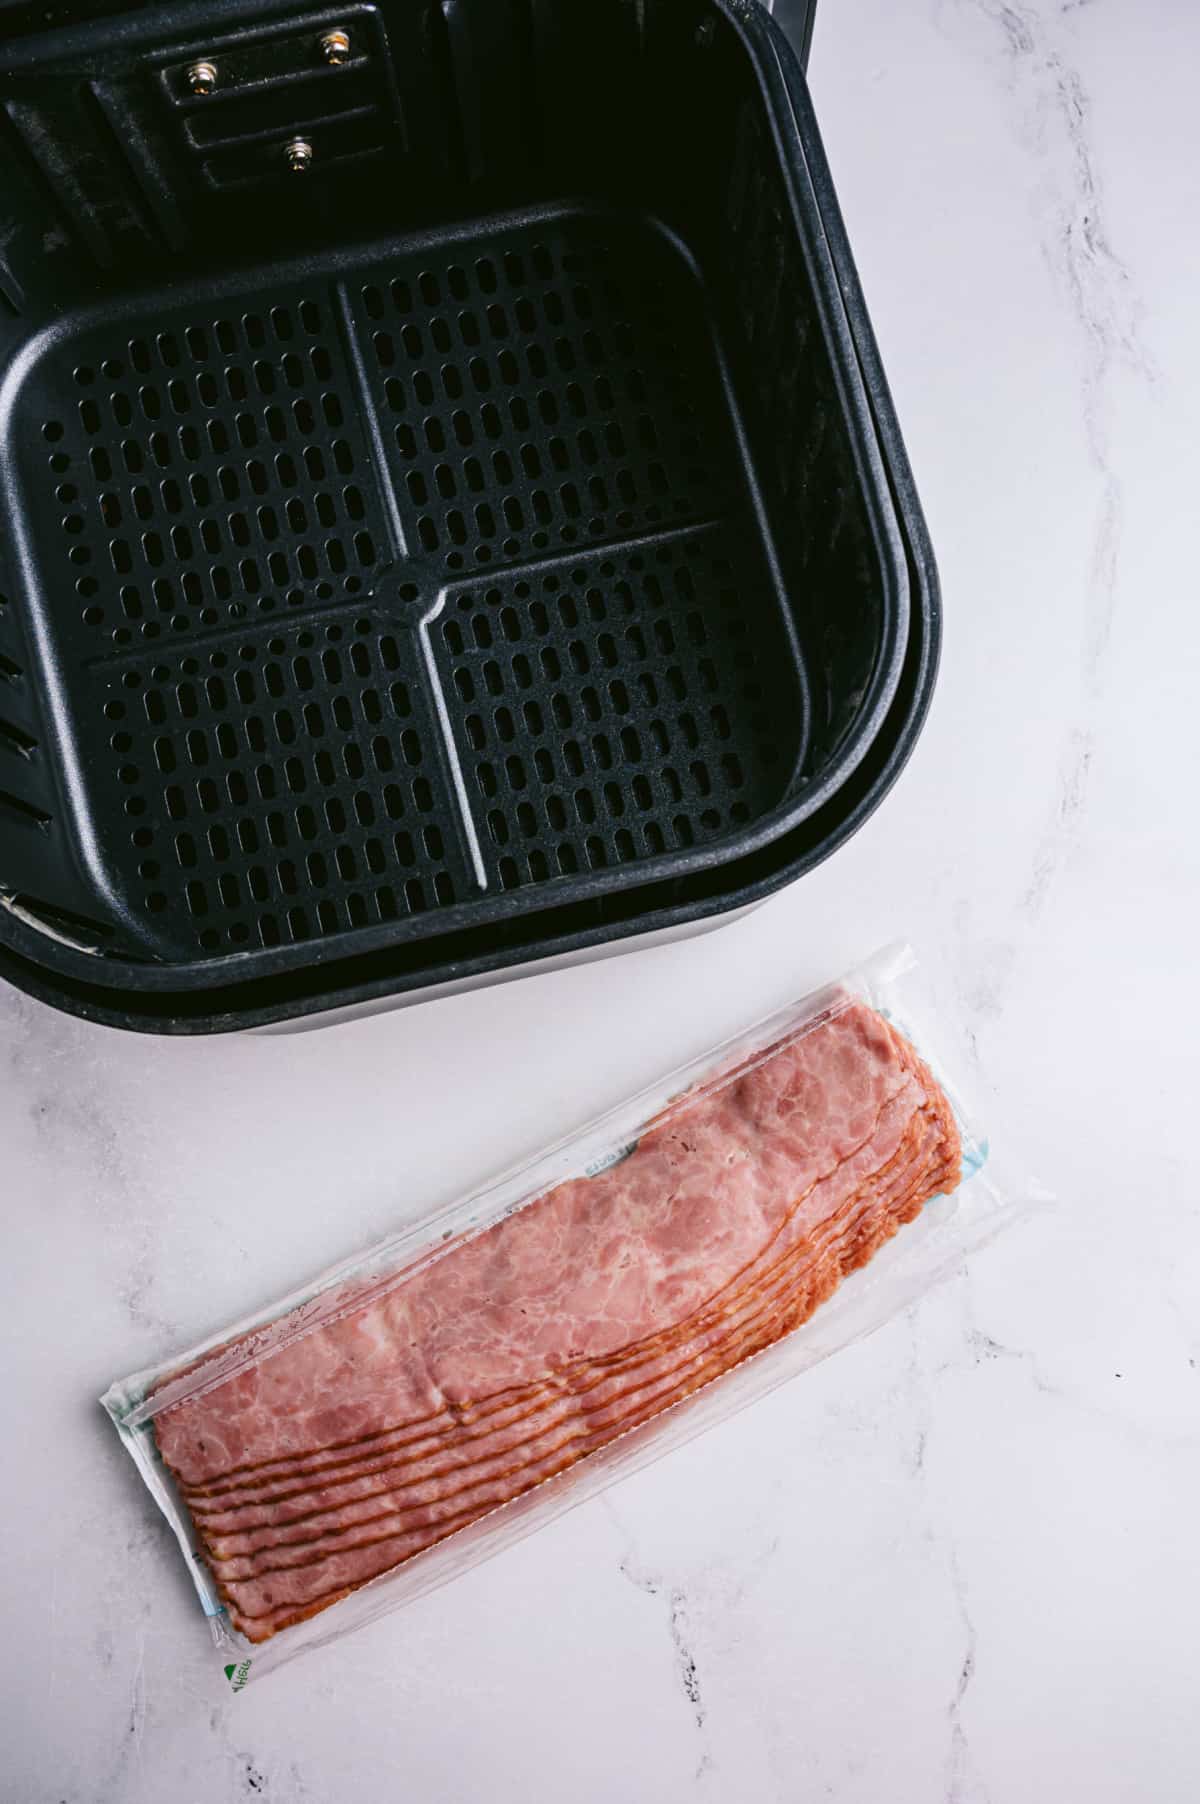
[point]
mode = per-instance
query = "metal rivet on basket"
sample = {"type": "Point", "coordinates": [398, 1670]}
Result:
{"type": "Point", "coordinates": [335, 47]}
{"type": "Point", "coordinates": [202, 78]}
{"type": "Point", "coordinates": [299, 154]}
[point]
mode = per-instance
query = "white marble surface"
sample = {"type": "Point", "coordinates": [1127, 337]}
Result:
{"type": "Point", "coordinates": [960, 1560]}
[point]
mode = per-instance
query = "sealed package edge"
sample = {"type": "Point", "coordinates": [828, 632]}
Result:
{"type": "Point", "coordinates": [414, 1410]}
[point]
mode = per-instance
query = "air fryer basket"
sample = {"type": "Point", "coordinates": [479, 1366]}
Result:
{"type": "Point", "coordinates": [486, 521]}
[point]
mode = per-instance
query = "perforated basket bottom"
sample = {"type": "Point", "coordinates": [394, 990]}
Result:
{"type": "Point", "coordinates": [422, 588]}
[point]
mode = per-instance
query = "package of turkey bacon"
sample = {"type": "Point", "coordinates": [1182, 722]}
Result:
{"type": "Point", "coordinates": [413, 1411]}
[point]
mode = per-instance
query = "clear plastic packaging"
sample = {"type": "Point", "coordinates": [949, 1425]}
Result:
{"type": "Point", "coordinates": [916, 1258]}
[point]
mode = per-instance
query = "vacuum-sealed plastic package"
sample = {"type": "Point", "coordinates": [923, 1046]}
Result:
{"type": "Point", "coordinates": [423, 1405]}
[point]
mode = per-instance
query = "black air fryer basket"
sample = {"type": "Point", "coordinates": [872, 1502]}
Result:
{"type": "Point", "coordinates": [451, 517]}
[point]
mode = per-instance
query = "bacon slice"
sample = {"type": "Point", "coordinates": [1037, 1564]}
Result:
{"type": "Point", "coordinates": [582, 1388]}
{"type": "Point", "coordinates": [467, 1427]}
{"type": "Point", "coordinates": [520, 1352]}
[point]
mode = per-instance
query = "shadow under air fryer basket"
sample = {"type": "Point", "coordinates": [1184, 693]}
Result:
{"type": "Point", "coordinates": [479, 542]}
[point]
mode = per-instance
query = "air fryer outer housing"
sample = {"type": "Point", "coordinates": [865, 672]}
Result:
{"type": "Point", "coordinates": [489, 543]}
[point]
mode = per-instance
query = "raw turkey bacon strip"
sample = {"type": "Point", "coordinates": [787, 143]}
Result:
{"type": "Point", "coordinates": [611, 1414]}
{"type": "Point", "coordinates": [425, 1519]}
{"type": "Point", "coordinates": [582, 1271]}
{"type": "Point", "coordinates": [561, 1393]}
{"type": "Point", "coordinates": [349, 1500]}
{"type": "Point", "coordinates": [260, 1606]}
{"type": "Point", "coordinates": [334, 1453]}
{"type": "Point", "coordinates": [517, 1353]}
{"type": "Point", "coordinates": [607, 1189]}
{"type": "Point", "coordinates": [294, 1593]}
{"type": "Point", "coordinates": [573, 1417]}
{"type": "Point", "coordinates": [476, 1424]}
